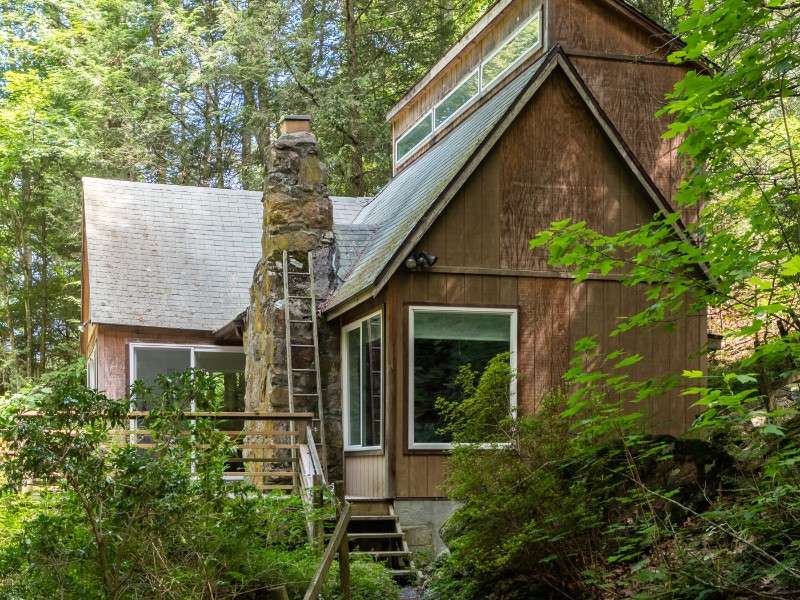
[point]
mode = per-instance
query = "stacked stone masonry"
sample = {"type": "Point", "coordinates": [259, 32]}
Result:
{"type": "Point", "coordinates": [298, 218]}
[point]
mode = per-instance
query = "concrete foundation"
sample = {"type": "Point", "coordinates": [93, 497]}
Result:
{"type": "Point", "coordinates": [421, 521]}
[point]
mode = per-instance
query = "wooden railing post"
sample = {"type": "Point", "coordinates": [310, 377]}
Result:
{"type": "Point", "coordinates": [319, 529]}
{"type": "Point", "coordinates": [339, 534]}
{"type": "Point", "coordinates": [344, 548]}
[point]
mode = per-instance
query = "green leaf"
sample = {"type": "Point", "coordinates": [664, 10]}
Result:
{"type": "Point", "coordinates": [771, 429]}
{"type": "Point", "coordinates": [791, 267]}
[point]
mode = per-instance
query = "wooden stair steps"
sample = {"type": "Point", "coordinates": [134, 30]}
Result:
{"type": "Point", "coordinates": [374, 530]}
{"type": "Point", "coordinates": [378, 554]}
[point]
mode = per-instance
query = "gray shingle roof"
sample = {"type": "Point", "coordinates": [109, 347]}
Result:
{"type": "Point", "coordinates": [183, 257]}
{"type": "Point", "coordinates": [400, 205]}
{"type": "Point", "coordinates": [351, 240]}
{"type": "Point", "coordinates": [169, 256]}
{"type": "Point", "coordinates": [346, 208]}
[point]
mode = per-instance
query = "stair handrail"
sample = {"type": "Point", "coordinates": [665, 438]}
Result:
{"type": "Point", "coordinates": [312, 480]}
{"type": "Point", "coordinates": [338, 544]}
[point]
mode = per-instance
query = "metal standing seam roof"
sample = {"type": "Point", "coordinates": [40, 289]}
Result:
{"type": "Point", "coordinates": [182, 257]}
{"type": "Point", "coordinates": [396, 209]}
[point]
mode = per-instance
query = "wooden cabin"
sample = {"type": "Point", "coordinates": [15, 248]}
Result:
{"type": "Point", "coordinates": [542, 111]}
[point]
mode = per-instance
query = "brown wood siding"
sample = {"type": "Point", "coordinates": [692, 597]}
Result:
{"type": "Point", "coordinates": [114, 357]}
{"type": "Point", "coordinates": [555, 164]}
{"type": "Point", "coordinates": [554, 313]}
{"type": "Point", "coordinates": [595, 25]}
{"type": "Point", "coordinates": [418, 474]}
{"type": "Point", "coordinates": [365, 476]}
{"type": "Point", "coordinates": [630, 94]}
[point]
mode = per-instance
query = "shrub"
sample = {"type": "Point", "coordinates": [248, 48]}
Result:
{"type": "Point", "coordinates": [115, 521]}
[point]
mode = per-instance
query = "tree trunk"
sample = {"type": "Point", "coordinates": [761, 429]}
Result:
{"type": "Point", "coordinates": [356, 158]}
{"type": "Point", "coordinates": [43, 325]}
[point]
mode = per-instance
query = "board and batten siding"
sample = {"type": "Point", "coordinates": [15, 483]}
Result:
{"type": "Point", "coordinates": [554, 162]}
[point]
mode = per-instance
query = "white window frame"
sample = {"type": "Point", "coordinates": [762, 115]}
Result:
{"type": "Point", "coordinates": [475, 71]}
{"type": "Point", "coordinates": [412, 310]}
{"type": "Point", "coordinates": [501, 75]}
{"type": "Point", "coordinates": [229, 475]}
{"type": "Point", "coordinates": [92, 363]}
{"type": "Point", "coordinates": [345, 357]}
{"type": "Point", "coordinates": [431, 114]}
{"type": "Point", "coordinates": [193, 347]}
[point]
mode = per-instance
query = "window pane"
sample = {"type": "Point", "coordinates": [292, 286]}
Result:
{"type": "Point", "coordinates": [230, 384]}
{"type": "Point", "coordinates": [511, 51]}
{"type": "Point", "coordinates": [354, 386]}
{"type": "Point", "coordinates": [460, 96]}
{"type": "Point", "coordinates": [149, 362]}
{"type": "Point", "coordinates": [443, 343]}
{"type": "Point", "coordinates": [371, 386]}
{"type": "Point", "coordinates": [410, 139]}
{"type": "Point", "coordinates": [91, 369]}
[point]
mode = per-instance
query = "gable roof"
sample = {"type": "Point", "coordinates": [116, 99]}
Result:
{"type": "Point", "coordinates": [181, 257]}
{"type": "Point", "coordinates": [169, 256]}
{"type": "Point", "coordinates": [404, 210]}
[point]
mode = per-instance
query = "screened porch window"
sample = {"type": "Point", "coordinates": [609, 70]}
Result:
{"type": "Point", "coordinates": [362, 359]}
{"type": "Point", "coordinates": [441, 341]}
{"type": "Point", "coordinates": [150, 360]}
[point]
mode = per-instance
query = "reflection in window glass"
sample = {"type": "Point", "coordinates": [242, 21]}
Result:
{"type": "Point", "coordinates": [354, 386]}
{"type": "Point", "coordinates": [91, 369]}
{"type": "Point", "coordinates": [419, 132]}
{"type": "Point", "coordinates": [445, 341]}
{"type": "Point", "coordinates": [152, 361]}
{"type": "Point", "coordinates": [230, 383]}
{"type": "Point", "coordinates": [363, 383]}
{"type": "Point", "coordinates": [458, 98]}
{"type": "Point", "coordinates": [525, 39]}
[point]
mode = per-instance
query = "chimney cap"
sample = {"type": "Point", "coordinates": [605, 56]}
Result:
{"type": "Point", "coordinates": [294, 124]}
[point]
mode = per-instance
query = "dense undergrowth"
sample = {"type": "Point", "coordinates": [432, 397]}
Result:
{"type": "Point", "coordinates": [111, 521]}
{"type": "Point", "coordinates": [582, 504]}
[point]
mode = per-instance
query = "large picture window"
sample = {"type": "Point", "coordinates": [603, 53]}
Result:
{"type": "Point", "coordinates": [441, 341]}
{"type": "Point", "coordinates": [362, 360]}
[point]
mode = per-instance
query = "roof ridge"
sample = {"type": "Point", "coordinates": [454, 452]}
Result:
{"type": "Point", "coordinates": [165, 186]}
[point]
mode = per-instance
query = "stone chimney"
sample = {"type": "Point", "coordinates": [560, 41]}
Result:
{"type": "Point", "coordinates": [298, 218]}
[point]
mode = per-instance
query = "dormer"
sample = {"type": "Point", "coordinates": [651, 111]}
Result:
{"type": "Point", "coordinates": [507, 38]}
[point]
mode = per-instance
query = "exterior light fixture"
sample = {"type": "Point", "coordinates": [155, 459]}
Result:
{"type": "Point", "coordinates": [420, 260]}
{"type": "Point", "coordinates": [426, 260]}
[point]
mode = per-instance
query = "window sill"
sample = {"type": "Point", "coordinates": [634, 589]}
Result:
{"type": "Point", "coordinates": [356, 452]}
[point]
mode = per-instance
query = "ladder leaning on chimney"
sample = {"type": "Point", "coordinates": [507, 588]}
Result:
{"type": "Point", "coordinates": [306, 302]}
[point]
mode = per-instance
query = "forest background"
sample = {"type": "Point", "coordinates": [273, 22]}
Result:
{"type": "Point", "coordinates": [185, 92]}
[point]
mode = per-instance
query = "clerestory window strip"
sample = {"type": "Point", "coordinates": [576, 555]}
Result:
{"type": "Point", "coordinates": [521, 43]}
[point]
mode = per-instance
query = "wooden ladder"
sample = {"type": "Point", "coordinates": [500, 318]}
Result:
{"type": "Point", "coordinates": [304, 280]}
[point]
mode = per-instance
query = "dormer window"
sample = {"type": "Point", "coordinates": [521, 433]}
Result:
{"type": "Point", "coordinates": [519, 45]}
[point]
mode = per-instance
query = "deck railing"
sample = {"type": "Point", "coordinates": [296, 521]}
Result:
{"type": "Point", "coordinates": [266, 444]}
